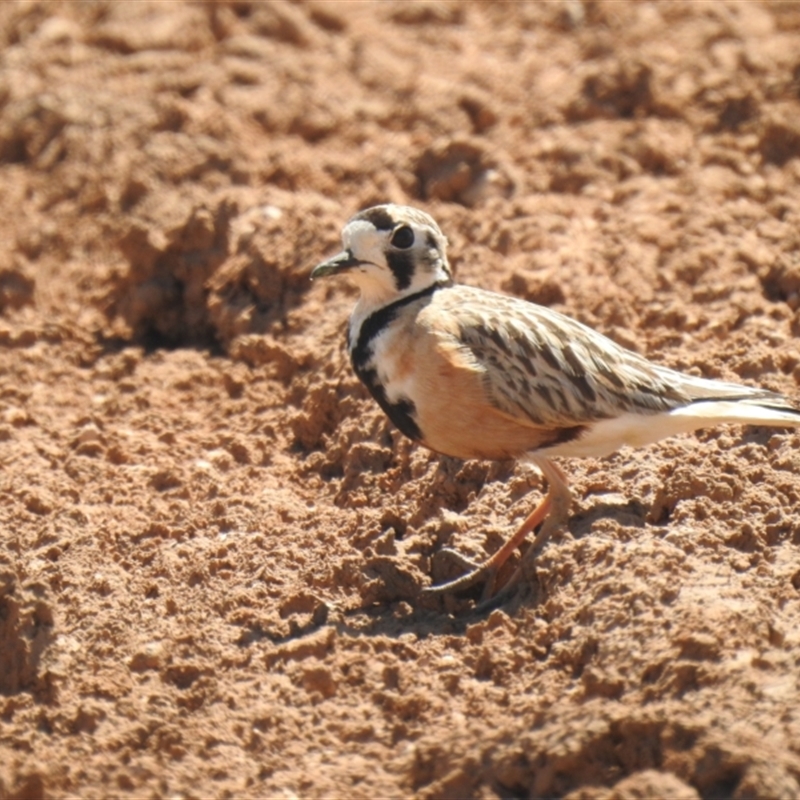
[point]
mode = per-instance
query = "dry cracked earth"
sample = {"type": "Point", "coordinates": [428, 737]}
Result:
{"type": "Point", "coordinates": [212, 542]}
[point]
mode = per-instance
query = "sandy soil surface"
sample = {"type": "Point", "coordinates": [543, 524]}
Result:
{"type": "Point", "coordinates": [213, 541]}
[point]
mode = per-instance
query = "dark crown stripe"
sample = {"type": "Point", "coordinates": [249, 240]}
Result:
{"type": "Point", "coordinates": [379, 217]}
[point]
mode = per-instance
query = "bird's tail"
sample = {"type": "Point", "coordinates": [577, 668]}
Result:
{"type": "Point", "coordinates": [707, 403]}
{"type": "Point", "coordinates": [716, 401]}
{"type": "Point", "coordinates": [743, 412]}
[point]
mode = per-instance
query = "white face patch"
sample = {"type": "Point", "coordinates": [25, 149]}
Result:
{"type": "Point", "coordinates": [401, 252]}
{"type": "Point", "coordinates": [365, 242]}
{"type": "Point", "coordinates": [373, 277]}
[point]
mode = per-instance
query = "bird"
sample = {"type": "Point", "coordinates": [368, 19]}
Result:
{"type": "Point", "coordinates": [475, 374]}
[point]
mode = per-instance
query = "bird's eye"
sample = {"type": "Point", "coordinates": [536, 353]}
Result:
{"type": "Point", "coordinates": [403, 237]}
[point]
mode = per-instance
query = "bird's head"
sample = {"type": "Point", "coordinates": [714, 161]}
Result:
{"type": "Point", "coordinates": [389, 252]}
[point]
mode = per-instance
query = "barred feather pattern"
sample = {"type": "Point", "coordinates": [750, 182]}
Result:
{"type": "Point", "coordinates": [551, 369]}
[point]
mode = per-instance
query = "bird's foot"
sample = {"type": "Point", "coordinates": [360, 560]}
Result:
{"type": "Point", "coordinates": [548, 517]}
{"type": "Point", "coordinates": [475, 574]}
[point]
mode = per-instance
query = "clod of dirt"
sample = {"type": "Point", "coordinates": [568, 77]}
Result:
{"type": "Point", "coordinates": [256, 286]}
{"type": "Point", "coordinates": [780, 281]}
{"type": "Point", "coordinates": [26, 619]}
{"type": "Point", "coordinates": [462, 171]}
{"type": "Point", "coordinates": [614, 88]}
{"type": "Point", "coordinates": [265, 350]}
{"type": "Point", "coordinates": [644, 785]}
{"type": "Point", "coordinates": [173, 246]}
{"type": "Point", "coordinates": [16, 288]}
{"type": "Point", "coordinates": [779, 139]}
{"type": "Point", "coordinates": [203, 268]}
{"type": "Point", "coordinates": [390, 581]}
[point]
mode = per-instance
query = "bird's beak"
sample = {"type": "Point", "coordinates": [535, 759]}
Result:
{"type": "Point", "coordinates": [339, 263]}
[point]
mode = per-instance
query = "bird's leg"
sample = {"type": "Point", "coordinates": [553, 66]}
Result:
{"type": "Point", "coordinates": [560, 497]}
{"type": "Point", "coordinates": [557, 494]}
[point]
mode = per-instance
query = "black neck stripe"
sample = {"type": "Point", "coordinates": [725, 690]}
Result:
{"type": "Point", "coordinates": [379, 319]}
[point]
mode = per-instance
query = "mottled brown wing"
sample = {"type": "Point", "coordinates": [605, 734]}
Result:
{"type": "Point", "coordinates": [544, 367]}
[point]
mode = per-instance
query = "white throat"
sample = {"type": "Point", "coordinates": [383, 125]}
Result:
{"type": "Point", "coordinates": [376, 295]}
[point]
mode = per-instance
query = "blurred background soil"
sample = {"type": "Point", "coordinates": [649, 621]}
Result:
{"type": "Point", "coordinates": [213, 541]}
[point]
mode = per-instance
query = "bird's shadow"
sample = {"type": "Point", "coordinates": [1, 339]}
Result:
{"type": "Point", "coordinates": [630, 513]}
{"type": "Point", "coordinates": [394, 619]}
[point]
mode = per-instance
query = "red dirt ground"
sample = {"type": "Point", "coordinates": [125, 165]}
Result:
{"type": "Point", "coordinates": [213, 541]}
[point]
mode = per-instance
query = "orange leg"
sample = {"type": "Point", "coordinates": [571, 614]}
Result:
{"type": "Point", "coordinates": [551, 513]}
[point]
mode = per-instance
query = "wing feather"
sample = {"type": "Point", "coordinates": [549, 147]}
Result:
{"type": "Point", "coordinates": [546, 368]}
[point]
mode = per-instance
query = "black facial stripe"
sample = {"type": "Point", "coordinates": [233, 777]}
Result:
{"type": "Point", "coordinates": [379, 217]}
{"type": "Point", "coordinates": [401, 263]}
